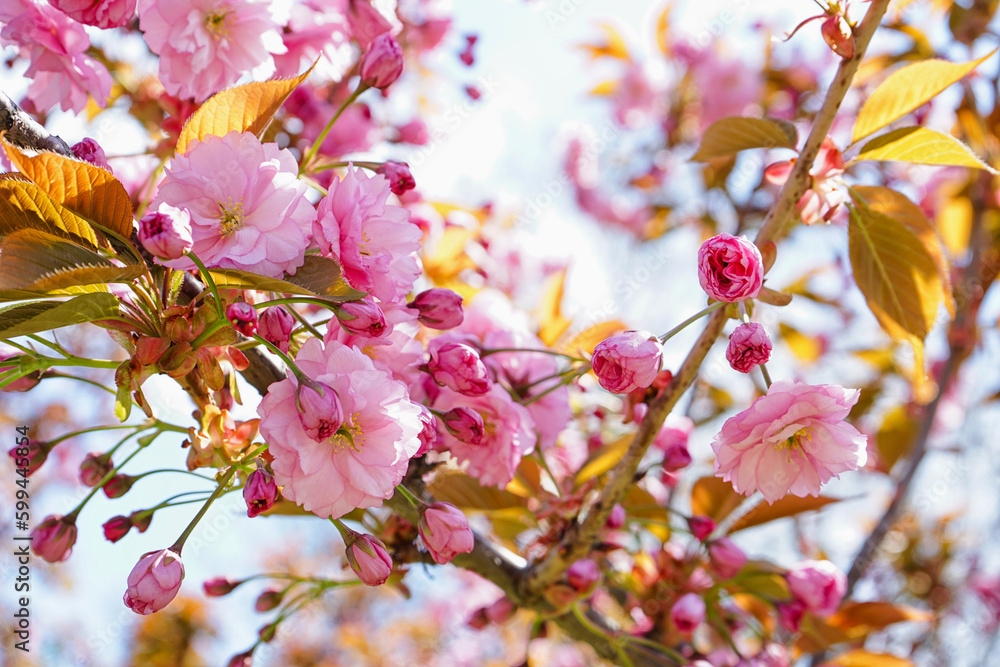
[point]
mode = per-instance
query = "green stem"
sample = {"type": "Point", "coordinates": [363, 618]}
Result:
{"type": "Point", "coordinates": [219, 491]}
{"type": "Point", "coordinates": [694, 318]}
{"type": "Point", "coordinates": [572, 376]}
{"type": "Point", "coordinates": [405, 492]}
{"type": "Point", "coordinates": [326, 130]}
{"type": "Point", "coordinates": [488, 351]}
{"type": "Point", "coordinates": [207, 277]}
{"type": "Point", "coordinates": [585, 622]}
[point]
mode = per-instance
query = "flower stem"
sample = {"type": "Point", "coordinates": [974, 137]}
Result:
{"type": "Point", "coordinates": [694, 318]}
{"type": "Point", "coordinates": [326, 130]}
{"type": "Point", "coordinates": [406, 493]}
{"type": "Point", "coordinates": [207, 277]}
{"type": "Point", "coordinates": [219, 490]}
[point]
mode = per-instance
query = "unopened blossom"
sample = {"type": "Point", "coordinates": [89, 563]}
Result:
{"type": "Point", "coordinates": [260, 492]}
{"type": "Point", "coordinates": [749, 347]}
{"type": "Point", "coordinates": [219, 586]}
{"type": "Point", "coordinates": [838, 35]}
{"type": "Point", "coordinates": [726, 557]}
{"type": "Point", "coordinates": [439, 308]}
{"type": "Point", "coordinates": [465, 424]}
{"type": "Point", "coordinates": [90, 151]}
{"type": "Point", "coordinates": [365, 22]}
{"type": "Point", "coordinates": [627, 361]}
{"type": "Point", "coordinates": [275, 326]}
{"type": "Point", "coordinates": [382, 62]}
{"type": "Point", "coordinates": [616, 519]}
{"type": "Point", "coordinates": [116, 528]}
{"type": "Point", "coordinates": [791, 440]}
{"type": "Point", "coordinates": [255, 218]}
{"type": "Point", "coordinates": [730, 268]}
{"type": "Point", "coordinates": [118, 485]}
{"type": "Point", "coordinates": [154, 581]}
{"type": "Point", "coordinates": [53, 538]}
{"type": "Point", "coordinates": [399, 176]}
{"type": "Point", "coordinates": [363, 318]}
{"type": "Point", "coordinates": [428, 435]}
{"type": "Point", "coordinates": [444, 530]}
{"type": "Point", "coordinates": [30, 456]}
{"type": "Point", "coordinates": [356, 465]}
{"type": "Point", "coordinates": [826, 190]}
{"type": "Point", "coordinates": [458, 367]}
{"type": "Point", "coordinates": [23, 383]}
{"type": "Point", "coordinates": [687, 613]}
{"type": "Point", "coordinates": [100, 13]}
{"type": "Point", "coordinates": [243, 317]}
{"type": "Point", "coordinates": [269, 599]}
{"type": "Point", "coordinates": [166, 232]}
{"type": "Point", "coordinates": [701, 527]}
{"type": "Point", "coordinates": [320, 412]}
{"type": "Point", "coordinates": [207, 45]}
{"type": "Point", "coordinates": [790, 614]}
{"type": "Point", "coordinates": [369, 559]}
{"type": "Point", "coordinates": [583, 574]}
{"type": "Point", "coordinates": [676, 457]}
{"type": "Point", "coordinates": [819, 584]}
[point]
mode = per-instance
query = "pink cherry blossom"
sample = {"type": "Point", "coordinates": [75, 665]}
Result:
{"type": "Point", "coordinates": [458, 367]}
{"type": "Point", "coordinates": [826, 191]}
{"type": "Point", "coordinates": [749, 346]}
{"type": "Point", "coordinates": [359, 465]}
{"type": "Point", "coordinates": [207, 45]}
{"type": "Point", "coordinates": [100, 13]}
{"type": "Point", "coordinates": [688, 612]}
{"type": "Point", "coordinates": [439, 308]}
{"type": "Point", "coordinates": [154, 581]}
{"type": "Point", "coordinates": [444, 530]}
{"type": "Point", "coordinates": [727, 558]}
{"type": "Point", "coordinates": [730, 268]}
{"type": "Point", "coordinates": [53, 538]}
{"type": "Point", "coordinates": [374, 241]}
{"type": "Point", "coordinates": [791, 440]}
{"type": "Point", "coordinates": [382, 62]}
{"type": "Point", "coordinates": [627, 361]}
{"type": "Point", "coordinates": [819, 584]}
{"type": "Point", "coordinates": [369, 559]}
{"type": "Point", "coordinates": [313, 30]}
{"type": "Point", "coordinates": [248, 207]}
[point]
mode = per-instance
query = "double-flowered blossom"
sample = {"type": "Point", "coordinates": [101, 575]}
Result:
{"type": "Point", "coordinates": [260, 492]}
{"type": "Point", "coordinates": [818, 584]}
{"type": "Point", "coordinates": [458, 367]}
{"type": "Point", "coordinates": [791, 440]}
{"type": "Point", "coordinates": [749, 346]}
{"type": "Point", "coordinates": [275, 326]}
{"type": "Point", "coordinates": [730, 268]}
{"type": "Point", "coordinates": [99, 13]}
{"type": "Point", "coordinates": [360, 463]}
{"type": "Point", "coordinates": [627, 361]}
{"type": "Point", "coordinates": [154, 581]}
{"type": "Point", "coordinates": [166, 232]}
{"type": "Point", "coordinates": [247, 205]}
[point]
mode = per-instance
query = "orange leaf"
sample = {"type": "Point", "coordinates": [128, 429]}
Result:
{"type": "Point", "coordinates": [585, 341]}
{"type": "Point", "coordinates": [862, 658]}
{"type": "Point", "coordinates": [861, 618]}
{"type": "Point", "coordinates": [551, 323]}
{"type": "Point", "coordinates": [785, 507]}
{"type": "Point", "coordinates": [713, 497]}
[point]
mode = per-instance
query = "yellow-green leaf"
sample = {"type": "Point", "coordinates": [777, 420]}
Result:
{"type": "Point", "coordinates": [88, 190]}
{"type": "Point", "coordinates": [733, 134]}
{"type": "Point", "coordinates": [40, 262]}
{"type": "Point", "coordinates": [455, 487]}
{"type": "Point", "coordinates": [246, 108]}
{"type": "Point", "coordinates": [906, 89]}
{"type": "Point", "coordinates": [23, 205]}
{"type": "Point", "coordinates": [603, 459]}
{"type": "Point", "coordinates": [318, 276]}
{"type": "Point", "coordinates": [918, 145]}
{"type": "Point", "coordinates": [782, 508]}
{"type": "Point", "coordinates": [713, 497]}
{"type": "Point", "coordinates": [38, 316]}
{"type": "Point", "coordinates": [585, 341]}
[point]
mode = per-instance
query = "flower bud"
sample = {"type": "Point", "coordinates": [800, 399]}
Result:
{"type": "Point", "coordinates": [53, 538]}
{"type": "Point", "coordinates": [90, 151]}
{"type": "Point", "coordinates": [166, 233]}
{"type": "Point", "coordinates": [362, 318]}
{"type": "Point", "coordinates": [439, 308]}
{"type": "Point", "coordinates": [465, 424]}
{"type": "Point", "coordinates": [269, 599]}
{"type": "Point", "coordinates": [677, 457]}
{"type": "Point", "coordinates": [365, 22]}
{"type": "Point", "coordinates": [415, 132]}
{"type": "Point", "coordinates": [399, 176]}
{"type": "Point", "coordinates": [154, 581]}
{"type": "Point", "coordinates": [243, 317]}
{"type": "Point", "coordinates": [583, 575]}
{"type": "Point", "coordinates": [260, 492]}
{"type": "Point", "coordinates": [219, 586]}
{"type": "Point", "coordinates": [701, 526]}
{"type": "Point", "coordinates": [31, 456]}
{"type": "Point", "coordinates": [319, 410]}
{"type": "Point", "coordinates": [838, 35]}
{"type": "Point", "coordinates": [730, 268]}
{"type": "Point", "coordinates": [21, 384]}
{"type": "Point", "coordinates": [819, 584]}
{"type": "Point", "coordinates": [275, 326]}
{"type": "Point", "coordinates": [627, 362]}
{"type": "Point", "coordinates": [616, 519]}
{"type": "Point", "coordinates": [445, 532]}
{"type": "Point", "coordinates": [749, 346]}
{"type": "Point", "coordinates": [428, 434]}
{"type": "Point", "coordinates": [244, 659]}
{"type": "Point", "coordinates": [726, 557]}
{"type": "Point", "coordinates": [687, 613]}
{"type": "Point", "coordinates": [116, 528]}
{"type": "Point", "coordinates": [119, 485]}
{"type": "Point", "coordinates": [141, 519]}
{"type": "Point", "coordinates": [790, 614]}
{"type": "Point", "coordinates": [94, 468]}
{"type": "Point", "coordinates": [458, 367]}
{"type": "Point", "coordinates": [369, 560]}
{"type": "Point", "coordinates": [382, 63]}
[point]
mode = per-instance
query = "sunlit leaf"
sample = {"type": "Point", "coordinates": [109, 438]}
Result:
{"type": "Point", "coordinates": [36, 261]}
{"type": "Point", "coordinates": [448, 257]}
{"type": "Point", "coordinates": [905, 90]}
{"type": "Point", "coordinates": [613, 47]}
{"type": "Point", "coordinates": [918, 145]}
{"type": "Point", "coordinates": [713, 497]}
{"type": "Point", "coordinates": [862, 658]}
{"type": "Point", "coordinates": [640, 504]}
{"type": "Point", "coordinates": [585, 341]}
{"type": "Point", "coordinates": [24, 205]}
{"type": "Point", "coordinates": [459, 489]}
{"type": "Point", "coordinates": [603, 459]}
{"type": "Point", "coordinates": [318, 276]}
{"type": "Point", "coordinates": [807, 348]}
{"type": "Point", "coordinates": [733, 134]}
{"type": "Point", "coordinates": [551, 322]}
{"type": "Point", "coordinates": [38, 316]}
{"type": "Point", "coordinates": [783, 508]}
{"type": "Point", "coordinates": [861, 618]}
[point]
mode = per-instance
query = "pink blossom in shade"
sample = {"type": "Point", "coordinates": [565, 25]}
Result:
{"type": "Point", "coordinates": [509, 434]}
{"type": "Point", "coordinates": [730, 268]}
{"type": "Point", "coordinates": [826, 191]}
{"type": "Point", "coordinates": [375, 242]}
{"type": "Point", "coordinates": [749, 347]}
{"type": "Point", "coordinates": [415, 132]}
{"type": "Point", "coordinates": [701, 527]}
{"type": "Point", "coordinates": [207, 45]}
{"type": "Point", "coordinates": [369, 559]}
{"type": "Point", "coordinates": [53, 538]}
{"type": "Point", "coordinates": [583, 575]}
{"type": "Point", "coordinates": [790, 614]}
{"type": "Point", "coordinates": [687, 613]}
{"type": "Point", "coordinates": [444, 530]}
{"type": "Point", "coordinates": [166, 232]}
{"type": "Point", "coordinates": [100, 13]}
{"type": "Point", "coordinates": [90, 151]}
{"type": "Point", "coordinates": [727, 559]}
{"type": "Point", "coordinates": [154, 581]}
{"type": "Point", "coordinates": [616, 519]}
{"type": "Point", "coordinates": [675, 431]}
{"type": "Point", "coordinates": [243, 317]}
{"type": "Point", "coordinates": [275, 326]}
{"type": "Point", "coordinates": [458, 367]}
{"type": "Point", "coordinates": [361, 464]}
{"type": "Point", "coordinates": [255, 219]}
{"type": "Point", "coordinates": [676, 457]}
{"type": "Point", "coordinates": [465, 424]}
{"type": "Point", "coordinates": [819, 584]}
{"type": "Point", "coordinates": [399, 176]}
{"type": "Point", "coordinates": [55, 46]}
{"type": "Point", "coordinates": [627, 361]}
{"type": "Point", "coordinates": [791, 440]}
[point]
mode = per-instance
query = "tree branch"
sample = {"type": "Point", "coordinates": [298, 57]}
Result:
{"type": "Point", "coordinates": [21, 130]}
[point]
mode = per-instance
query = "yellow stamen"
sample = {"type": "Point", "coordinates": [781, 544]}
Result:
{"type": "Point", "coordinates": [215, 22]}
{"type": "Point", "coordinates": [231, 217]}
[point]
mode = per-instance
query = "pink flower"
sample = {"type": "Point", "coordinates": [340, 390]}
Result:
{"type": "Point", "coordinates": [627, 361]}
{"type": "Point", "coordinates": [701, 527]}
{"type": "Point", "coordinates": [415, 132]}
{"type": "Point", "coordinates": [94, 468]}
{"type": "Point", "coordinates": [320, 412]}
{"type": "Point", "coordinates": [399, 176]}
{"type": "Point", "coordinates": [687, 613]}
{"type": "Point", "coordinates": [727, 558]}
{"type": "Point", "coordinates": [53, 538]}
{"type": "Point", "coordinates": [100, 13]}
{"type": "Point", "coordinates": [312, 31]}
{"type": "Point", "coordinates": [207, 45]}
{"type": "Point", "coordinates": [116, 528]}
{"type": "Point", "coordinates": [154, 581]}
{"type": "Point", "coordinates": [616, 519]}
{"type": "Point", "coordinates": [445, 532]}
{"type": "Point", "coordinates": [826, 192]}
{"type": "Point", "coordinates": [791, 440]}
{"type": "Point", "coordinates": [730, 268]}
{"type": "Point", "coordinates": [362, 318]}
{"type": "Point", "coordinates": [382, 62]}
{"type": "Point", "coordinates": [369, 559]}
{"type": "Point", "coordinates": [439, 308]}
{"type": "Point", "coordinates": [375, 242]}
{"type": "Point", "coordinates": [243, 317]}
{"type": "Point", "coordinates": [366, 22]}
{"type": "Point", "coordinates": [275, 326]}
{"type": "Point", "coordinates": [166, 233]}
{"type": "Point", "coordinates": [790, 614]}
{"type": "Point", "coordinates": [458, 367]}
{"type": "Point", "coordinates": [749, 346]}
{"type": "Point", "coordinates": [583, 575]}
{"type": "Point", "coordinates": [819, 584]}
{"type": "Point", "coordinates": [260, 492]}
{"type": "Point", "coordinates": [248, 207]}
{"type": "Point", "coordinates": [90, 151]}
{"type": "Point", "coordinates": [360, 464]}
{"type": "Point", "coordinates": [465, 424]}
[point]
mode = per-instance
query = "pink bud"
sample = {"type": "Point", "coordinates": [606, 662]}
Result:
{"type": "Point", "coordinates": [21, 384]}
{"type": "Point", "coordinates": [116, 528]}
{"type": "Point", "coordinates": [415, 132]}
{"type": "Point", "coordinates": [166, 233]}
{"type": "Point", "coordinates": [101, 13]}
{"type": "Point", "coordinates": [730, 268]}
{"type": "Point", "coordinates": [382, 63]}
{"type": "Point", "coordinates": [275, 326]}
{"type": "Point", "coordinates": [616, 519]}
{"type": "Point", "coordinates": [94, 468]}
{"type": "Point", "coordinates": [319, 410]}
{"type": "Point", "coordinates": [260, 492]}
{"type": "Point", "coordinates": [219, 586]}
{"type": "Point", "coordinates": [677, 457]}
{"type": "Point", "coordinates": [369, 559]}
{"type": "Point", "coordinates": [243, 317]}
{"type": "Point", "coordinates": [465, 424]}
{"type": "Point", "coordinates": [31, 456]}
{"type": "Point", "coordinates": [445, 532]}
{"type": "Point", "coordinates": [428, 434]}
{"type": "Point", "coordinates": [749, 346]}
{"type": "Point", "coordinates": [362, 318]}
{"type": "Point", "coordinates": [790, 614]}
{"type": "Point", "coordinates": [627, 362]}
{"type": "Point", "coordinates": [154, 581]}
{"type": "Point", "coordinates": [53, 538]}
{"type": "Point", "coordinates": [583, 575]}
{"type": "Point", "coordinates": [119, 485]}
{"type": "Point", "coordinates": [778, 173]}
{"type": "Point", "coordinates": [819, 584]}
{"type": "Point", "coordinates": [399, 176]}
{"type": "Point", "coordinates": [439, 308]}
{"type": "Point", "coordinates": [701, 527]}
{"type": "Point", "coordinates": [90, 151]}
{"type": "Point", "coordinates": [838, 35]}
{"type": "Point", "coordinates": [141, 520]}
{"type": "Point", "coordinates": [458, 367]}
{"type": "Point", "coordinates": [687, 613]}
{"type": "Point", "coordinates": [466, 56]}
{"type": "Point", "coordinates": [244, 659]}
{"type": "Point", "coordinates": [269, 599]}
{"type": "Point", "coordinates": [726, 557]}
